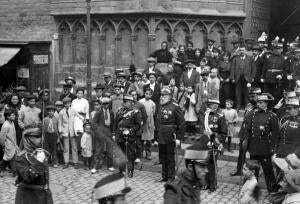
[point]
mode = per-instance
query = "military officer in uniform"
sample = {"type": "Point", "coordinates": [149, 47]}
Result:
{"type": "Point", "coordinates": [127, 124]}
{"type": "Point", "coordinates": [262, 134]}
{"type": "Point", "coordinates": [248, 110]}
{"type": "Point", "coordinates": [289, 129]}
{"type": "Point", "coordinates": [170, 131]}
{"type": "Point", "coordinates": [216, 130]}
{"type": "Point", "coordinates": [33, 172]}
{"type": "Point", "coordinates": [186, 187]}
{"type": "Point", "coordinates": [273, 71]}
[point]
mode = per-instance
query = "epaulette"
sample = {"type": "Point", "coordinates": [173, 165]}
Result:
{"type": "Point", "coordinates": [175, 104]}
{"type": "Point", "coordinates": [221, 114]}
{"type": "Point", "coordinates": [136, 111]}
{"type": "Point", "coordinates": [170, 186]}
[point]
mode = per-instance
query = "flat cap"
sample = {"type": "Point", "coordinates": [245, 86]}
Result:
{"type": "Point", "coordinates": [127, 97]}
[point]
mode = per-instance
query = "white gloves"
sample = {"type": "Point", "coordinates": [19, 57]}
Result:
{"type": "Point", "coordinates": [126, 132]}
{"type": "Point", "coordinates": [40, 156]}
{"type": "Point", "coordinates": [262, 80]}
{"type": "Point", "coordinates": [248, 85]}
{"type": "Point", "coordinates": [289, 77]}
{"type": "Point", "coordinates": [177, 143]}
{"type": "Point", "coordinates": [155, 143]}
{"type": "Point", "coordinates": [298, 83]}
{"type": "Point", "coordinates": [279, 77]}
{"type": "Point", "coordinates": [279, 104]}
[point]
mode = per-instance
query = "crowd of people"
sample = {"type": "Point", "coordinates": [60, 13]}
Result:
{"type": "Point", "coordinates": [183, 93]}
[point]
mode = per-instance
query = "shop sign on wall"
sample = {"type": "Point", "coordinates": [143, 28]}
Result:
{"type": "Point", "coordinates": [40, 59]}
{"type": "Point", "coordinates": [23, 72]}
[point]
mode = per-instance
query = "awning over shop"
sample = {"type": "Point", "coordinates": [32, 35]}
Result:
{"type": "Point", "coordinates": [6, 54]}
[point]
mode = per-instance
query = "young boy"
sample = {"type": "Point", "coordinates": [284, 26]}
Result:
{"type": "Point", "coordinates": [231, 117]}
{"type": "Point", "coordinates": [117, 98]}
{"type": "Point", "coordinates": [190, 115]}
{"type": "Point", "coordinates": [173, 88]}
{"type": "Point", "coordinates": [181, 96]}
{"type": "Point", "coordinates": [97, 107]}
{"type": "Point", "coordinates": [51, 134]}
{"type": "Point", "coordinates": [86, 145]}
{"type": "Point", "coordinates": [149, 126]}
{"type": "Point", "coordinates": [9, 142]}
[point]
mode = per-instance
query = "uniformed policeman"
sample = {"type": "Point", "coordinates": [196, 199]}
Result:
{"type": "Point", "coordinates": [248, 110]}
{"type": "Point", "coordinates": [290, 129]}
{"type": "Point", "coordinates": [170, 131]}
{"type": "Point", "coordinates": [273, 71]}
{"type": "Point", "coordinates": [128, 122]}
{"type": "Point", "coordinates": [262, 134]}
{"type": "Point", "coordinates": [216, 130]}
{"type": "Point", "coordinates": [111, 189]}
{"type": "Point", "coordinates": [186, 187]}
{"type": "Point", "coordinates": [33, 172]}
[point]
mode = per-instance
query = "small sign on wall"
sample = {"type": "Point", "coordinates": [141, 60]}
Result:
{"type": "Point", "coordinates": [40, 59]}
{"type": "Point", "coordinates": [23, 72]}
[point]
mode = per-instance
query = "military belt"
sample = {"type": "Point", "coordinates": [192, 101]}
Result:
{"type": "Point", "coordinates": [35, 187]}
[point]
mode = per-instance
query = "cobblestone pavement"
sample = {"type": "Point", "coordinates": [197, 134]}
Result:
{"type": "Point", "coordinates": [71, 186]}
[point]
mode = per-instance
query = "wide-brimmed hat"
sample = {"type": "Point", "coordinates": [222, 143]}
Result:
{"type": "Point", "coordinates": [70, 78]}
{"type": "Point", "coordinates": [110, 186]}
{"type": "Point", "coordinates": [265, 97]}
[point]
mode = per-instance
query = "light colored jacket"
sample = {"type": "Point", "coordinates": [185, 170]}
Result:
{"type": "Point", "coordinates": [66, 123]}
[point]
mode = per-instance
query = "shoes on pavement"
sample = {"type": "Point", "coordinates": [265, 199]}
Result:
{"type": "Point", "coordinates": [157, 163]}
{"type": "Point", "coordinates": [236, 173]}
{"type": "Point", "coordinates": [111, 168]}
{"type": "Point", "coordinates": [65, 166]}
{"type": "Point", "coordinates": [162, 180]}
{"type": "Point", "coordinates": [137, 160]}
{"type": "Point", "coordinates": [76, 166]}
{"type": "Point", "coordinates": [93, 171]}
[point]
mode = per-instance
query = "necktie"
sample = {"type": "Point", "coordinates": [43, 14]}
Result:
{"type": "Point", "coordinates": [105, 115]}
{"type": "Point", "coordinates": [67, 111]}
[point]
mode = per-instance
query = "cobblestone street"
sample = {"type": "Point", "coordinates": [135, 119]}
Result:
{"type": "Point", "coordinates": [71, 186]}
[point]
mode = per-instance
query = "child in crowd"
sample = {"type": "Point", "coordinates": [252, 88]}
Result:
{"type": "Point", "coordinates": [250, 191]}
{"type": "Point", "coordinates": [190, 115]}
{"type": "Point", "coordinates": [173, 88]}
{"type": "Point", "coordinates": [59, 106]}
{"type": "Point", "coordinates": [216, 81]}
{"type": "Point", "coordinates": [145, 79]}
{"type": "Point", "coordinates": [86, 145]}
{"type": "Point", "coordinates": [51, 134]}
{"type": "Point", "coordinates": [231, 117]}
{"type": "Point", "coordinates": [149, 126]}
{"type": "Point", "coordinates": [9, 142]}
{"type": "Point", "coordinates": [181, 96]}
{"type": "Point", "coordinates": [97, 107]}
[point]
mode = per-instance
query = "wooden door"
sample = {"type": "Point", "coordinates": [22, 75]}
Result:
{"type": "Point", "coordinates": [39, 71]}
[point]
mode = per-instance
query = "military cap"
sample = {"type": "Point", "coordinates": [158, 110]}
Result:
{"type": "Point", "coordinates": [70, 78]}
{"type": "Point", "coordinates": [127, 97]}
{"type": "Point", "coordinates": [151, 59]}
{"type": "Point", "coordinates": [105, 100]}
{"type": "Point", "coordinates": [213, 101]}
{"type": "Point", "coordinates": [99, 86]}
{"type": "Point", "coordinates": [59, 103]}
{"type": "Point", "coordinates": [290, 94]}
{"type": "Point", "coordinates": [198, 152]}
{"type": "Point", "coordinates": [107, 74]}
{"type": "Point", "coordinates": [20, 88]}
{"type": "Point", "coordinates": [292, 102]}
{"type": "Point", "coordinates": [165, 91]}
{"type": "Point", "coordinates": [31, 96]}
{"type": "Point", "coordinates": [189, 61]}
{"type": "Point", "coordinates": [67, 100]}
{"type": "Point", "coordinates": [255, 90]}
{"type": "Point", "coordinates": [122, 74]}
{"type": "Point", "coordinates": [110, 186]}
{"type": "Point", "coordinates": [265, 97]}
{"type": "Point", "coordinates": [151, 73]}
{"type": "Point", "coordinates": [297, 90]}
{"type": "Point", "coordinates": [50, 107]}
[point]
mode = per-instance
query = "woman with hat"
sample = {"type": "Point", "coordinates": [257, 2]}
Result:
{"type": "Point", "coordinates": [71, 81]}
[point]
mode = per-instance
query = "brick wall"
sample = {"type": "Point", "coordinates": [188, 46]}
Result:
{"type": "Point", "coordinates": [26, 20]}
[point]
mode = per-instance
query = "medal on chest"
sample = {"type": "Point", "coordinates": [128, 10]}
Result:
{"type": "Point", "coordinates": [166, 114]}
{"type": "Point", "coordinates": [293, 125]}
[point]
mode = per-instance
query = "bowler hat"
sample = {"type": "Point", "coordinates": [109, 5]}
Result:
{"type": "Point", "coordinates": [137, 73]}
{"type": "Point", "coordinates": [70, 78]}
{"type": "Point", "coordinates": [122, 74]}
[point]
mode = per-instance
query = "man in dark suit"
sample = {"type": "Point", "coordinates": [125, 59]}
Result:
{"type": "Point", "coordinates": [102, 124]}
{"type": "Point", "coordinates": [67, 93]}
{"type": "Point", "coordinates": [127, 86]}
{"type": "Point", "coordinates": [108, 85]}
{"type": "Point", "coordinates": [151, 67]}
{"type": "Point", "coordinates": [155, 88]}
{"type": "Point", "coordinates": [189, 77]}
{"type": "Point", "coordinates": [258, 61]}
{"type": "Point", "coordinates": [242, 74]}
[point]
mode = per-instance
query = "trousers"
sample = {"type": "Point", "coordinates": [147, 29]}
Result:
{"type": "Point", "coordinates": [167, 152]}
{"type": "Point", "coordinates": [67, 142]}
{"type": "Point", "coordinates": [130, 153]}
